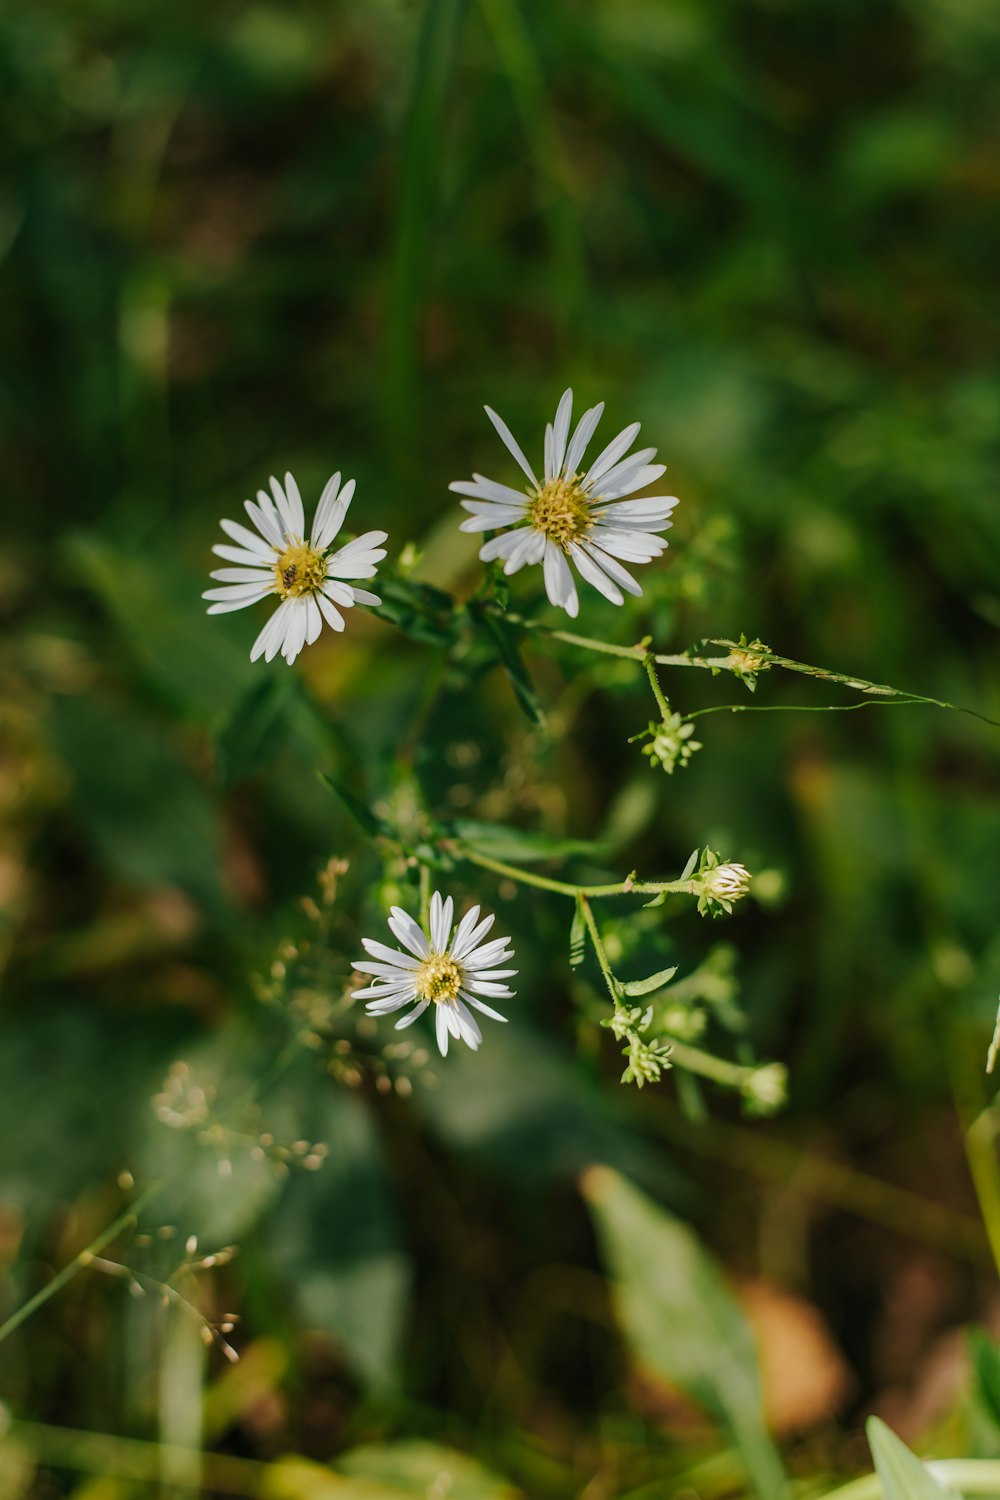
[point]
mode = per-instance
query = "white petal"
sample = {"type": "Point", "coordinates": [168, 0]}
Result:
{"type": "Point", "coordinates": [408, 932]}
{"type": "Point", "coordinates": [441, 1029]}
{"type": "Point", "coordinates": [374, 1008]}
{"type": "Point", "coordinates": [314, 621]}
{"type": "Point", "coordinates": [613, 569]}
{"type": "Point", "coordinates": [652, 508]}
{"type": "Point", "coordinates": [286, 512]}
{"type": "Point", "coordinates": [560, 430]}
{"type": "Point", "coordinates": [487, 1010]}
{"type": "Point", "coordinates": [465, 942]}
{"type": "Point", "coordinates": [612, 453]}
{"type": "Point", "coordinates": [442, 913]}
{"type": "Point", "coordinates": [357, 559]}
{"type": "Point", "coordinates": [622, 472]}
{"type": "Point", "coordinates": [502, 546]}
{"type": "Point", "coordinates": [481, 488]}
{"type": "Point", "coordinates": [589, 570]}
{"type": "Point", "coordinates": [243, 575]}
{"type": "Point", "coordinates": [530, 550]}
{"type": "Point", "coordinates": [389, 955]}
{"type": "Point", "coordinates": [485, 515]}
{"type": "Point", "coordinates": [414, 1015]}
{"type": "Point", "coordinates": [226, 606]}
{"type": "Point", "coordinates": [269, 641]}
{"type": "Point", "coordinates": [265, 518]}
{"type": "Point", "coordinates": [550, 452]}
{"type": "Point", "coordinates": [247, 539]}
{"type": "Point", "coordinates": [581, 437]}
{"type": "Point", "coordinates": [243, 591]}
{"type": "Point", "coordinates": [264, 558]}
{"type": "Point", "coordinates": [632, 546]}
{"type": "Point", "coordinates": [362, 596]}
{"type": "Point", "coordinates": [295, 506]}
{"type": "Point", "coordinates": [340, 593]}
{"type": "Point", "coordinates": [334, 518]}
{"type": "Point", "coordinates": [559, 583]}
{"type": "Point", "coordinates": [327, 500]}
{"type": "Point", "coordinates": [635, 479]}
{"type": "Point", "coordinates": [295, 635]}
{"type": "Point", "coordinates": [462, 931]}
{"type": "Point", "coordinates": [468, 1029]}
{"type": "Point", "coordinates": [332, 616]}
{"type": "Point", "coordinates": [485, 957]}
{"type": "Point", "coordinates": [391, 973]}
{"type": "Point", "coordinates": [380, 992]}
{"type": "Point", "coordinates": [510, 443]}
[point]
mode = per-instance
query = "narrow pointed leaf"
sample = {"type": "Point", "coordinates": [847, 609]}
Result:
{"type": "Point", "coordinates": [681, 1321]}
{"type": "Point", "coordinates": [654, 982]}
{"type": "Point", "coordinates": [510, 659]}
{"type": "Point", "coordinates": [366, 819]}
{"type": "Point", "coordinates": [902, 1474]}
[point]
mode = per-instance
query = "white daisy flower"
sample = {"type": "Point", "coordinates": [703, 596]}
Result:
{"type": "Point", "coordinates": [450, 971]}
{"type": "Point", "coordinates": [576, 514]}
{"type": "Point", "coordinates": [275, 559]}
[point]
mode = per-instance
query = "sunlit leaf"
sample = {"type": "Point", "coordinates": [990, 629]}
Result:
{"type": "Point", "coordinates": [902, 1474]}
{"type": "Point", "coordinates": [519, 844]}
{"type": "Point", "coordinates": [366, 819]}
{"type": "Point", "coordinates": [506, 643]}
{"type": "Point", "coordinates": [654, 982]}
{"type": "Point", "coordinates": [680, 1320]}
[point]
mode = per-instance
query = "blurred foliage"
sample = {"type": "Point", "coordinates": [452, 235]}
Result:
{"type": "Point", "coordinates": [255, 236]}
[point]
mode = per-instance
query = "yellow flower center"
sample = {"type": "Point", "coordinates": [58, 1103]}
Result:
{"type": "Point", "coordinates": [299, 570]}
{"type": "Point", "coordinates": [561, 511]}
{"type": "Point", "coordinates": [438, 979]}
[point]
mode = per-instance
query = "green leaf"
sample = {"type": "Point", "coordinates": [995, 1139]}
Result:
{"type": "Point", "coordinates": [420, 1469]}
{"type": "Point", "coordinates": [419, 610]}
{"type": "Point", "coordinates": [148, 818]}
{"type": "Point", "coordinates": [577, 938]}
{"type": "Point", "coordinates": [654, 982]}
{"type": "Point", "coordinates": [986, 1372]}
{"type": "Point", "coordinates": [386, 1471]}
{"type": "Point", "coordinates": [193, 660]}
{"type": "Point", "coordinates": [252, 731]}
{"type": "Point", "coordinates": [510, 658]}
{"type": "Point", "coordinates": [517, 844]}
{"type": "Point", "coordinates": [902, 1474]}
{"type": "Point", "coordinates": [369, 821]}
{"type": "Point", "coordinates": [680, 1319]}
{"type": "Point", "coordinates": [337, 1246]}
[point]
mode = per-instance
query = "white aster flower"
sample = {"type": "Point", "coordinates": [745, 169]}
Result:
{"type": "Point", "coordinates": [307, 577]}
{"type": "Point", "coordinates": [576, 514]}
{"type": "Point", "coordinates": [451, 971]}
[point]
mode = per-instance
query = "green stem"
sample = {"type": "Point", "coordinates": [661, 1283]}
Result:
{"type": "Point", "coordinates": [969, 1476]}
{"type": "Point", "coordinates": [764, 658]}
{"type": "Point", "coordinates": [587, 913]}
{"type": "Point", "coordinates": [654, 683]}
{"type": "Point", "coordinates": [981, 1155]}
{"type": "Point", "coordinates": [425, 897]}
{"type": "Point", "coordinates": [564, 888]}
{"type": "Point", "coordinates": [607, 648]}
{"type": "Point", "coordinates": [79, 1262]}
{"type": "Point", "coordinates": [729, 1074]}
{"type": "Point", "coordinates": [132, 1459]}
{"type": "Point", "coordinates": [131, 1214]}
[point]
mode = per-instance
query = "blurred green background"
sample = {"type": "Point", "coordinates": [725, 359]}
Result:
{"type": "Point", "coordinates": [248, 237]}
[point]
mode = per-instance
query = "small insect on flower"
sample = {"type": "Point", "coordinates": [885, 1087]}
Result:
{"type": "Point", "coordinates": [575, 514]}
{"type": "Point", "coordinates": [308, 579]}
{"type": "Point", "coordinates": [450, 971]}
